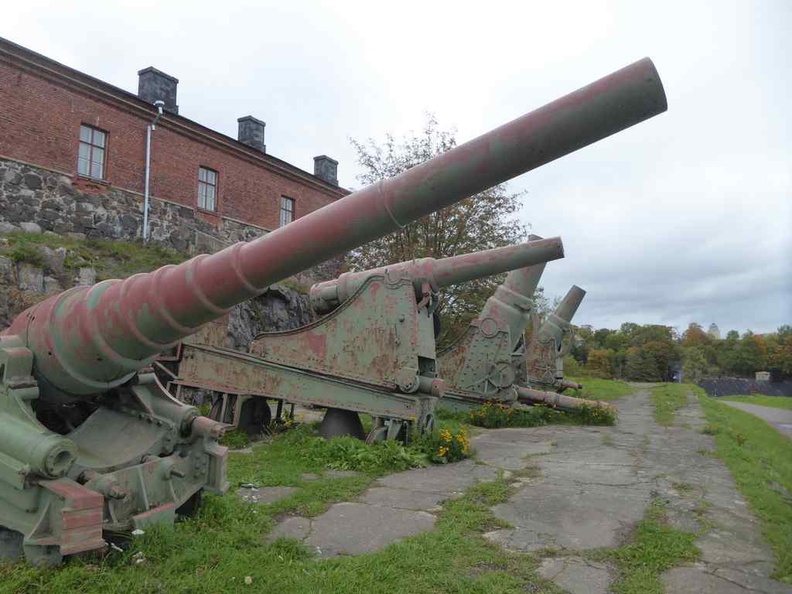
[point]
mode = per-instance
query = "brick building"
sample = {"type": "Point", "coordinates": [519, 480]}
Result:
{"type": "Point", "coordinates": [73, 160]}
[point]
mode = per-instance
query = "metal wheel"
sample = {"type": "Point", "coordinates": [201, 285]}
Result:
{"type": "Point", "coordinates": [191, 506]}
{"type": "Point", "coordinates": [377, 434]}
{"type": "Point", "coordinates": [254, 416]}
{"type": "Point", "coordinates": [338, 422]}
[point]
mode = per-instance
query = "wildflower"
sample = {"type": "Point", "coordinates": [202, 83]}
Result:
{"type": "Point", "coordinates": [442, 451]}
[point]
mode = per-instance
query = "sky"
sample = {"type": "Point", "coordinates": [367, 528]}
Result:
{"type": "Point", "coordinates": [684, 218]}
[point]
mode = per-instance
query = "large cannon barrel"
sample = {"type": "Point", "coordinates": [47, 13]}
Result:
{"type": "Point", "coordinates": [557, 323]}
{"type": "Point", "coordinates": [440, 273]}
{"type": "Point", "coordinates": [88, 340]}
{"type": "Point", "coordinates": [512, 303]}
{"type": "Point", "coordinates": [530, 396]}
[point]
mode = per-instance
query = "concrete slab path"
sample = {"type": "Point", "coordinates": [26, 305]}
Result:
{"type": "Point", "coordinates": [779, 418]}
{"type": "Point", "coordinates": [576, 489]}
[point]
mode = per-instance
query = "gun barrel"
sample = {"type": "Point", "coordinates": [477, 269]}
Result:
{"type": "Point", "coordinates": [453, 271]}
{"type": "Point", "coordinates": [440, 273]}
{"type": "Point", "coordinates": [531, 397]}
{"type": "Point", "coordinates": [570, 303]}
{"type": "Point", "coordinates": [89, 340]}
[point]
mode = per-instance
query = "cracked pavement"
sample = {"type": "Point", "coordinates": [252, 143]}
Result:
{"type": "Point", "coordinates": [576, 489]}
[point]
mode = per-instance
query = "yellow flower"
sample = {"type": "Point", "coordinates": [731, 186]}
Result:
{"type": "Point", "coordinates": [442, 451]}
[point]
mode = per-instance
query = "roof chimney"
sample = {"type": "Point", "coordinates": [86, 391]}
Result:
{"type": "Point", "coordinates": [326, 168]}
{"type": "Point", "coordinates": [251, 133]}
{"type": "Point", "coordinates": [154, 85]}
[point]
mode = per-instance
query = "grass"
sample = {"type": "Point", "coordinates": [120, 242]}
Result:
{"type": "Point", "coordinates": [655, 547]}
{"type": "Point", "coordinates": [667, 400]}
{"type": "Point", "coordinates": [494, 415]}
{"type": "Point", "coordinates": [602, 389]}
{"type": "Point", "coordinates": [760, 459]}
{"type": "Point", "coordinates": [110, 258]}
{"type": "Point", "coordinates": [772, 401]}
{"type": "Point", "coordinates": [222, 548]}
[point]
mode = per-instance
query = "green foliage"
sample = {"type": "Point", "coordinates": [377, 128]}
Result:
{"type": "Point", "coordinates": [224, 544]}
{"type": "Point", "coordinates": [603, 389]}
{"type": "Point", "coordinates": [654, 353]}
{"type": "Point", "coordinates": [349, 453]}
{"type": "Point", "coordinates": [694, 364]}
{"type": "Point", "coordinates": [444, 446]}
{"type": "Point", "coordinates": [598, 364]}
{"type": "Point", "coordinates": [483, 221]}
{"type": "Point", "coordinates": [641, 366]}
{"type": "Point", "coordinates": [495, 415]}
{"type": "Point", "coordinates": [668, 399]}
{"type": "Point", "coordinates": [656, 547]}
{"type": "Point", "coordinates": [110, 258]}
{"type": "Point", "coordinates": [760, 459]}
{"type": "Point", "coordinates": [594, 415]}
{"type": "Point", "coordinates": [235, 439]}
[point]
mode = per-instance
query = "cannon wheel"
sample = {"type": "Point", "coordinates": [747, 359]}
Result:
{"type": "Point", "coordinates": [338, 422]}
{"type": "Point", "coordinates": [191, 506]}
{"type": "Point", "coordinates": [254, 416]}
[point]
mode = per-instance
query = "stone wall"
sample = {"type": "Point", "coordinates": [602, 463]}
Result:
{"type": "Point", "coordinates": [59, 203]}
{"type": "Point", "coordinates": [36, 199]}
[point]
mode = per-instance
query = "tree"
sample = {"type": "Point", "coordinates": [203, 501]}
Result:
{"type": "Point", "coordinates": [694, 364]}
{"type": "Point", "coordinates": [483, 221]}
{"type": "Point", "coordinates": [641, 366]}
{"type": "Point", "coordinates": [695, 336]}
{"type": "Point", "coordinates": [599, 363]}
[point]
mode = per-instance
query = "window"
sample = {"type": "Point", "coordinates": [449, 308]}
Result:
{"type": "Point", "coordinates": [207, 188]}
{"type": "Point", "coordinates": [287, 211]}
{"type": "Point", "coordinates": [91, 156]}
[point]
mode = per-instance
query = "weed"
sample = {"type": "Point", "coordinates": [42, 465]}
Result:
{"type": "Point", "coordinates": [710, 429]}
{"type": "Point", "coordinates": [602, 389]}
{"type": "Point", "coordinates": [235, 439]}
{"type": "Point", "coordinates": [494, 415]}
{"type": "Point", "coordinates": [668, 399]}
{"type": "Point", "coordinates": [772, 401]}
{"type": "Point", "coordinates": [760, 459]}
{"type": "Point", "coordinates": [655, 547]}
{"type": "Point", "coordinates": [445, 446]}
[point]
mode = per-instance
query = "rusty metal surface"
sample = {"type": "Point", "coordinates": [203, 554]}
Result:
{"type": "Point", "coordinates": [443, 272]}
{"type": "Point", "coordinates": [555, 400]}
{"type": "Point", "coordinates": [88, 340]}
{"type": "Point", "coordinates": [550, 342]}
{"type": "Point", "coordinates": [85, 351]}
{"type": "Point", "coordinates": [228, 371]}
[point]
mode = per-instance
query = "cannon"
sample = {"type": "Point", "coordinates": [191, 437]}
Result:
{"type": "Point", "coordinates": [487, 363]}
{"type": "Point", "coordinates": [91, 441]}
{"type": "Point", "coordinates": [373, 352]}
{"type": "Point", "coordinates": [550, 342]}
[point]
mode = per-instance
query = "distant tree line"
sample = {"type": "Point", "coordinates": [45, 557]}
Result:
{"type": "Point", "coordinates": [658, 353]}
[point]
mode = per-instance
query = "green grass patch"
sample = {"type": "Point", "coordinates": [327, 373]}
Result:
{"type": "Point", "coordinates": [110, 258]}
{"type": "Point", "coordinates": [760, 459]}
{"type": "Point", "coordinates": [667, 400]}
{"type": "Point", "coordinates": [655, 547]}
{"type": "Point", "coordinates": [222, 550]}
{"type": "Point", "coordinates": [772, 401]}
{"type": "Point", "coordinates": [494, 415]}
{"type": "Point", "coordinates": [602, 389]}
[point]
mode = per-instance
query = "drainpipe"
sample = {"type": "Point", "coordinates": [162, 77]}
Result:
{"type": "Point", "coordinates": [149, 129]}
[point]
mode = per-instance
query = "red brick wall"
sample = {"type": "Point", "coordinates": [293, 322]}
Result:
{"type": "Point", "coordinates": [40, 122]}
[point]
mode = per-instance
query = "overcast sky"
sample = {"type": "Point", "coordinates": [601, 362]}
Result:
{"type": "Point", "coordinates": [684, 218]}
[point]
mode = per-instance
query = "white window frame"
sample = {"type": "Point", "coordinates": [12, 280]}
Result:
{"type": "Point", "coordinates": [286, 210]}
{"type": "Point", "coordinates": [92, 152]}
{"type": "Point", "coordinates": [207, 188]}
